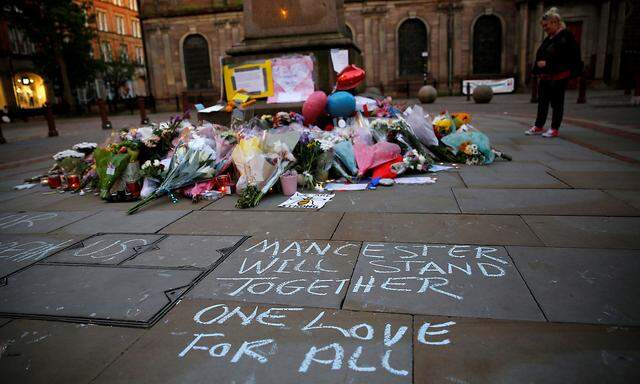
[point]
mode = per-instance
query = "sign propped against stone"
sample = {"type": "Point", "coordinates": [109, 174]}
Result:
{"type": "Point", "coordinates": [247, 343]}
{"type": "Point", "coordinates": [310, 273]}
{"type": "Point", "coordinates": [438, 279]}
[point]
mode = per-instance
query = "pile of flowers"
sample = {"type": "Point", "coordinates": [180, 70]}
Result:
{"type": "Point", "coordinates": [334, 139]}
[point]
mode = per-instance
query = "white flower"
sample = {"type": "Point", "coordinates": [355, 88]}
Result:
{"type": "Point", "coordinates": [68, 153]}
{"type": "Point", "coordinates": [85, 145]}
{"type": "Point", "coordinates": [146, 164]}
{"type": "Point", "coordinates": [421, 158]}
{"type": "Point", "coordinates": [164, 125]}
{"type": "Point", "coordinates": [156, 163]}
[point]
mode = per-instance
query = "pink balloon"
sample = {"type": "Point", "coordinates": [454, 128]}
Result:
{"type": "Point", "coordinates": [314, 107]}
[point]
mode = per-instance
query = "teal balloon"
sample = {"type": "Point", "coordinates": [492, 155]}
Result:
{"type": "Point", "coordinates": [341, 104]}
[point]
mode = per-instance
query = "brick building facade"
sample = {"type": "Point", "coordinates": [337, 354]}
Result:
{"type": "Point", "coordinates": [464, 39]}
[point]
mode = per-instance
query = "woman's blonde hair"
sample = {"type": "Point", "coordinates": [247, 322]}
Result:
{"type": "Point", "coordinates": [553, 14]}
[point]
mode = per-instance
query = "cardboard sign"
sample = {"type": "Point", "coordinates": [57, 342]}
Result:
{"type": "Point", "coordinates": [255, 79]}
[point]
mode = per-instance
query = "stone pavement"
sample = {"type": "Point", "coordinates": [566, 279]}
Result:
{"type": "Point", "coordinates": [522, 271]}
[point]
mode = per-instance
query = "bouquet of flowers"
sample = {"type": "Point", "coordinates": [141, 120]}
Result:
{"type": "Point", "coordinates": [461, 118]}
{"type": "Point", "coordinates": [152, 169]}
{"type": "Point", "coordinates": [70, 162]}
{"type": "Point", "coordinates": [186, 167]}
{"type": "Point", "coordinates": [307, 152]}
{"type": "Point", "coordinates": [443, 125]}
{"type": "Point", "coordinates": [275, 150]}
{"type": "Point", "coordinates": [85, 148]}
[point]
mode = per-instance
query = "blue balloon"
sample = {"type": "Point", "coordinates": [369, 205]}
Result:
{"type": "Point", "coordinates": [341, 104]}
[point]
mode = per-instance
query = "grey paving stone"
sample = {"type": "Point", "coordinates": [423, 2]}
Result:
{"type": "Point", "coordinates": [631, 154]}
{"type": "Point", "coordinates": [451, 229]}
{"type": "Point", "coordinates": [185, 251]}
{"type": "Point", "coordinates": [498, 351]}
{"type": "Point", "coordinates": [20, 251]}
{"type": "Point", "coordinates": [53, 352]}
{"type": "Point", "coordinates": [591, 166]}
{"type": "Point", "coordinates": [97, 293]}
{"type": "Point", "coordinates": [91, 202]}
{"type": "Point", "coordinates": [290, 272]}
{"type": "Point", "coordinates": [105, 249]}
{"type": "Point", "coordinates": [600, 180]}
{"type": "Point", "coordinates": [506, 178]}
{"type": "Point", "coordinates": [10, 195]}
{"type": "Point", "coordinates": [583, 285]}
{"type": "Point", "coordinates": [4, 322]}
{"type": "Point", "coordinates": [40, 200]}
{"type": "Point", "coordinates": [201, 341]}
{"type": "Point", "coordinates": [586, 232]}
{"type": "Point", "coordinates": [438, 279]}
{"type": "Point", "coordinates": [228, 203]}
{"type": "Point", "coordinates": [630, 197]}
{"type": "Point", "coordinates": [37, 222]}
{"type": "Point", "coordinates": [541, 202]}
{"type": "Point", "coordinates": [282, 225]}
{"type": "Point", "coordinates": [579, 153]}
{"type": "Point", "coordinates": [448, 179]}
{"type": "Point", "coordinates": [120, 222]}
{"type": "Point", "coordinates": [397, 198]}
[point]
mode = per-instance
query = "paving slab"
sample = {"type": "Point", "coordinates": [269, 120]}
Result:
{"type": "Point", "coordinates": [53, 352]}
{"type": "Point", "coordinates": [541, 202]}
{"type": "Point", "coordinates": [185, 251]}
{"type": "Point", "coordinates": [515, 178]}
{"type": "Point", "coordinates": [435, 228]}
{"type": "Point", "coordinates": [100, 294]}
{"type": "Point", "coordinates": [282, 225]}
{"type": "Point", "coordinates": [591, 166]}
{"type": "Point", "coordinates": [105, 249]}
{"type": "Point", "coordinates": [290, 272]}
{"type": "Point", "coordinates": [438, 279]}
{"type": "Point", "coordinates": [120, 222]}
{"type": "Point", "coordinates": [13, 194]}
{"type": "Point", "coordinates": [600, 180]}
{"type": "Point", "coordinates": [4, 322]}
{"type": "Point", "coordinates": [586, 232]}
{"type": "Point", "coordinates": [583, 285]}
{"type": "Point", "coordinates": [204, 341]}
{"type": "Point", "coordinates": [38, 222]}
{"type": "Point", "coordinates": [578, 153]}
{"type": "Point", "coordinates": [630, 197]}
{"type": "Point", "coordinates": [90, 202]}
{"type": "Point", "coordinates": [448, 179]}
{"type": "Point", "coordinates": [498, 351]}
{"type": "Point", "coordinates": [39, 200]}
{"type": "Point", "coordinates": [21, 251]}
{"type": "Point", "coordinates": [268, 203]}
{"type": "Point", "coordinates": [398, 198]}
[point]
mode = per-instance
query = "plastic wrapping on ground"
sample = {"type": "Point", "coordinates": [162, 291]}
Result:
{"type": "Point", "coordinates": [370, 156]}
{"type": "Point", "coordinates": [343, 151]}
{"type": "Point", "coordinates": [421, 126]}
{"type": "Point", "coordinates": [456, 139]}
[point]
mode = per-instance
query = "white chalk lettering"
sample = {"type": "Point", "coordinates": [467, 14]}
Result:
{"type": "Point", "coordinates": [428, 283]}
{"type": "Point", "coordinates": [482, 252]}
{"type": "Point", "coordinates": [367, 287]}
{"type": "Point", "coordinates": [366, 251]}
{"type": "Point", "coordinates": [466, 270]}
{"type": "Point", "coordinates": [247, 348]}
{"type": "Point", "coordinates": [257, 266]}
{"type": "Point", "coordinates": [458, 249]}
{"type": "Point", "coordinates": [192, 344]}
{"type": "Point", "coordinates": [386, 365]}
{"type": "Point", "coordinates": [295, 246]}
{"type": "Point", "coordinates": [483, 267]}
{"type": "Point", "coordinates": [27, 220]}
{"type": "Point", "coordinates": [431, 267]}
{"type": "Point", "coordinates": [265, 246]}
{"type": "Point", "coordinates": [391, 340]}
{"type": "Point", "coordinates": [285, 284]}
{"type": "Point", "coordinates": [380, 264]}
{"type": "Point", "coordinates": [268, 314]}
{"type": "Point", "coordinates": [312, 325]}
{"type": "Point", "coordinates": [338, 251]}
{"type": "Point", "coordinates": [319, 251]}
{"type": "Point", "coordinates": [353, 362]}
{"type": "Point", "coordinates": [310, 356]}
{"type": "Point", "coordinates": [390, 281]}
{"type": "Point", "coordinates": [353, 331]}
{"type": "Point", "coordinates": [423, 332]}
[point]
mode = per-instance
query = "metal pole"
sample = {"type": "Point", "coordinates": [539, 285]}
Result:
{"type": "Point", "coordinates": [2, 139]}
{"type": "Point", "coordinates": [106, 124]}
{"type": "Point", "coordinates": [143, 112]}
{"type": "Point", "coordinates": [450, 47]}
{"type": "Point", "coordinates": [468, 91]}
{"type": "Point", "coordinates": [48, 114]}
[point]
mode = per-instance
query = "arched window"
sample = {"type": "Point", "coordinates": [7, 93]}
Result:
{"type": "Point", "coordinates": [487, 45]}
{"type": "Point", "coordinates": [349, 32]}
{"type": "Point", "coordinates": [412, 41]}
{"type": "Point", "coordinates": [196, 62]}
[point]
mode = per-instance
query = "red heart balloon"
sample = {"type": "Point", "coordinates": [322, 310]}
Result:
{"type": "Point", "coordinates": [350, 77]}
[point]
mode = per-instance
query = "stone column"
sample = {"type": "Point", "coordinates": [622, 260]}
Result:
{"type": "Point", "coordinates": [523, 62]}
{"type": "Point", "coordinates": [617, 42]}
{"type": "Point", "coordinates": [603, 31]}
{"type": "Point", "coordinates": [168, 72]}
{"type": "Point", "coordinates": [368, 48]}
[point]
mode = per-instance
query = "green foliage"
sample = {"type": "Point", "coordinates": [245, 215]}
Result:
{"type": "Point", "coordinates": [117, 71]}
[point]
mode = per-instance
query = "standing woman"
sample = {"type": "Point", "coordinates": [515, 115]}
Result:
{"type": "Point", "coordinates": [557, 60]}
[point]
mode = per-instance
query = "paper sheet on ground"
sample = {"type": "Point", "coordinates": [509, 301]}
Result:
{"type": "Point", "coordinates": [24, 186]}
{"type": "Point", "coordinates": [307, 200]}
{"type": "Point", "coordinates": [345, 187]}
{"type": "Point", "coordinates": [214, 108]}
{"type": "Point", "coordinates": [339, 59]}
{"type": "Point", "coordinates": [416, 180]}
{"type": "Point", "coordinates": [438, 168]}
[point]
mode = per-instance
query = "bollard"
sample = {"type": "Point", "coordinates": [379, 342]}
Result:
{"type": "Point", "coordinates": [106, 124]}
{"type": "Point", "coordinates": [534, 89]}
{"type": "Point", "coordinates": [582, 90]}
{"type": "Point", "coordinates": [48, 114]}
{"type": "Point", "coordinates": [143, 112]}
{"type": "Point", "coordinates": [468, 91]}
{"type": "Point", "coordinates": [2, 139]}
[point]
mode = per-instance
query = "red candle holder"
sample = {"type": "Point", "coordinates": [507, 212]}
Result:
{"type": "Point", "coordinates": [54, 181]}
{"type": "Point", "coordinates": [134, 189]}
{"type": "Point", "coordinates": [74, 182]}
